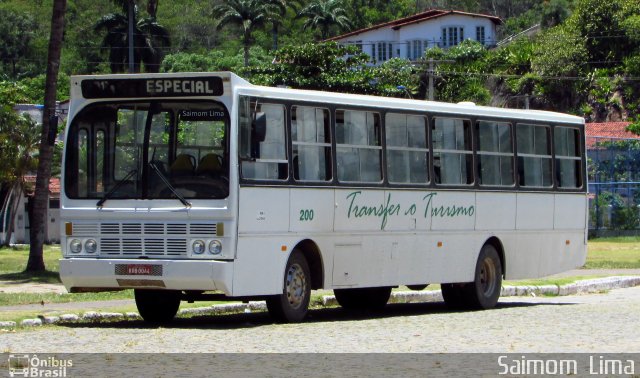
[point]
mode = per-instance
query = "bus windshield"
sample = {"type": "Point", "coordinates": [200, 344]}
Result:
{"type": "Point", "coordinates": [148, 150]}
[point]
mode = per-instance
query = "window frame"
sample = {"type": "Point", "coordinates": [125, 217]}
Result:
{"type": "Point", "coordinates": [480, 153]}
{"type": "Point", "coordinates": [471, 152]}
{"type": "Point", "coordinates": [581, 153]}
{"type": "Point", "coordinates": [330, 136]}
{"type": "Point", "coordinates": [426, 149]}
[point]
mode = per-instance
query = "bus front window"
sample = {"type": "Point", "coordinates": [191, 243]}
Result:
{"type": "Point", "coordinates": [158, 150]}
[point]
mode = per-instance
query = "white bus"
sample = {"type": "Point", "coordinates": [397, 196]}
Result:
{"type": "Point", "coordinates": [201, 186]}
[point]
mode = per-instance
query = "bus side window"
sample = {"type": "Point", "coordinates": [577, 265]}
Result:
{"type": "Point", "coordinates": [311, 142]}
{"type": "Point", "coordinates": [495, 153]}
{"type": "Point", "coordinates": [534, 155]}
{"type": "Point", "coordinates": [568, 160]}
{"type": "Point", "coordinates": [407, 153]}
{"type": "Point", "coordinates": [452, 150]}
{"type": "Point", "coordinates": [270, 162]}
{"type": "Point", "coordinates": [359, 149]}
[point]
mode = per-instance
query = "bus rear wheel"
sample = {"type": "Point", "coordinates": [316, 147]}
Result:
{"type": "Point", "coordinates": [157, 306]}
{"type": "Point", "coordinates": [367, 298]}
{"type": "Point", "coordinates": [484, 292]}
{"type": "Point", "coordinates": [293, 304]}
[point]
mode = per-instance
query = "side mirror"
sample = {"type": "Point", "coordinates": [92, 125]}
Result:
{"type": "Point", "coordinates": [259, 128]}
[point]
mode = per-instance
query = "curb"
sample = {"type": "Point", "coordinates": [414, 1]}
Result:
{"type": "Point", "coordinates": [580, 287]}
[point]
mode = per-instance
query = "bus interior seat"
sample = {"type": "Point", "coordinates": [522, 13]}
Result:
{"type": "Point", "coordinates": [211, 165]}
{"type": "Point", "coordinates": [183, 165]}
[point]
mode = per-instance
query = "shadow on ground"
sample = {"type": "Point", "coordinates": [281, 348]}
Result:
{"type": "Point", "coordinates": [258, 319]}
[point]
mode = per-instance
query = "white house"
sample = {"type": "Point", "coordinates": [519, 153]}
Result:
{"type": "Point", "coordinates": [409, 37]}
{"type": "Point", "coordinates": [20, 201]}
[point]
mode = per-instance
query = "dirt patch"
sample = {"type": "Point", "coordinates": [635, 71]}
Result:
{"type": "Point", "coordinates": [30, 287]}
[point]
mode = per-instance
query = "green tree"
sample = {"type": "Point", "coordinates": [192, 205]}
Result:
{"type": "Point", "coordinates": [16, 38]}
{"type": "Point", "coordinates": [602, 25]}
{"type": "Point", "coordinates": [215, 60]}
{"type": "Point", "coordinates": [249, 15]}
{"type": "Point", "coordinates": [554, 13]}
{"type": "Point", "coordinates": [323, 15]}
{"type": "Point", "coordinates": [149, 39]}
{"type": "Point", "coordinates": [334, 68]}
{"type": "Point", "coordinates": [19, 137]}
{"type": "Point", "coordinates": [463, 79]}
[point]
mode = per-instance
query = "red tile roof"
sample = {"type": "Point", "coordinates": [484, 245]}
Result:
{"type": "Point", "coordinates": [54, 185]}
{"type": "Point", "coordinates": [616, 130]}
{"type": "Point", "coordinates": [430, 14]}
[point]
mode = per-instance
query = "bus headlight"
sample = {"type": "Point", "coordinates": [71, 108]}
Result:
{"type": "Point", "coordinates": [198, 247]}
{"type": "Point", "coordinates": [90, 246]}
{"type": "Point", "coordinates": [75, 246]}
{"type": "Point", "coordinates": [215, 247]}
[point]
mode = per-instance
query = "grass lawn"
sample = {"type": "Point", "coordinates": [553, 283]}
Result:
{"type": "Point", "coordinates": [13, 261]}
{"type": "Point", "coordinates": [614, 253]}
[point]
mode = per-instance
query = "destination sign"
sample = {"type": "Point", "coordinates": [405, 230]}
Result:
{"type": "Point", "coordinates": [169, 87]}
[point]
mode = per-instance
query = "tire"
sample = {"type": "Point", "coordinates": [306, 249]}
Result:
{"type": "Point", "coordinates": [293, 304]}
{"type": "Point", "coordinates": [368, 298]}
{"type": "Point", "coordinates": [157, 306]}
{"type": "Point", "coordinates": [483, 293]}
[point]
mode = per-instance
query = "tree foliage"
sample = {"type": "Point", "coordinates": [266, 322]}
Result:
{"type": "Point", "coordinates": [149, 40]}
{"type": "Point", "coordinates": [16, 40]}
{"type": "Point", "coordinates": [325, 15]}
{"type": "Point", "coordinates": [324, 67]}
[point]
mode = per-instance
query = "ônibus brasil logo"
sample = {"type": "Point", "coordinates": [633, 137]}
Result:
{"type": "Point", "coordinates": [25, 365]}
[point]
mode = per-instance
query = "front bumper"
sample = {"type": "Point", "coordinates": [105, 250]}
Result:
{"type": "Point", "coordinates": [80, 274]}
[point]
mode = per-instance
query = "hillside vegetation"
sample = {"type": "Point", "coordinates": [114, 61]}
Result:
{"type": "Point", "coordinates": [585, 61]}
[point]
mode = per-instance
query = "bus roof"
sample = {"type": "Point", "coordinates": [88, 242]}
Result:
{"type": "Point", "coordinates": [231, 80]}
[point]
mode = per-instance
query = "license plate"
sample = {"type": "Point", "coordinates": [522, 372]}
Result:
{"type": "Point", "coordinates": [139, 270]}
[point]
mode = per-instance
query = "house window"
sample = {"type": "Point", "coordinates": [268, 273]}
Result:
{"type": "Point", "coordinates": [385, 51]}
{"type": "Point", "coordinates": [373, 52]}
{"type": "Point", "coordinates": [382, 51]}
{"type": "Point", "coordinates": [452, 35]}
{"type": "Point", "coordinates": [359, 45]}
{"type": "Point", "coordinates": [480, 34]}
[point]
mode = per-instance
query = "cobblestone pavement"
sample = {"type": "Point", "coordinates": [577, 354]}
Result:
{"type": "Point", "coordinates": [598, 323]}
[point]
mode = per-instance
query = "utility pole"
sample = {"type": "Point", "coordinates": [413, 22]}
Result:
{"type": "Point", "coordinates": [131, 18]}
{"type": "Point", "coordinates": [431, 74]}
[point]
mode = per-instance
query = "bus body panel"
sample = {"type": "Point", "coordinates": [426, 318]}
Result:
{"type": "Point", "coordinates": [496, 211]}
{"type": "Point", "coordinates": [82, 274]}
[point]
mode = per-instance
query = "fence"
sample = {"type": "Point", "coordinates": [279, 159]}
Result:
{"type": "Point", "coordinates": [613, 166]}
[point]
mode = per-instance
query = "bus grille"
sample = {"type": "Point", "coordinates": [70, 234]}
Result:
{"type": "Point", "coordinates": [133, 240]}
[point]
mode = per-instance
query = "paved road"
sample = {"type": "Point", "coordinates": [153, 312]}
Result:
{"type": "Point", "coordinates": [595, 323]}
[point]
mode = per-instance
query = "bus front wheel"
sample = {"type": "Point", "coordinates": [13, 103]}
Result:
{"type": "Point", "coordinates": [157, 306]}
{"type": "Point", "coordinates": [292, 305]}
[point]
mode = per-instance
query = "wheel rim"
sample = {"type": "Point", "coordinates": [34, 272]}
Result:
{"type": "Point", "coordinates": [296, 286]}
{"type": "Point", "coordinates": [488, 277]}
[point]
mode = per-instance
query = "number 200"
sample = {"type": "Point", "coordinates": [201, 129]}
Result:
{"type": "Point", "coordinates": [306, 215]}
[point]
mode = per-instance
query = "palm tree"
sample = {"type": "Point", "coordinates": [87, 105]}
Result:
{"type": "Point", "coordinates": [277, 21]}
{"type": "Point", "coordinates": [38, 214]}
{"type": "Point", "coordinates": [149, 38]}
{"type": "Point", "coordinates": [249, 15]}
{"type": "Point", "coordinates": [324, 14]}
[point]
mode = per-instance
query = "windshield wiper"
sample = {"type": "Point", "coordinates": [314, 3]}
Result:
{"type": "Point", "coordinates": [116, 187]}
{"type": "Point", "coordinates": [168, 184]}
